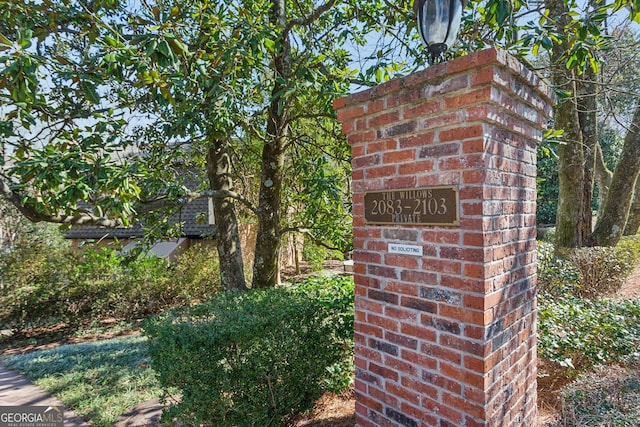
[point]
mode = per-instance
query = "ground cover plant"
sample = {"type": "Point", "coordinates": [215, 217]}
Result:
{"type": "Point", "coordinates": [588, 339]}
{"type": "Point", "coordinates": [254, 359]}
{"type": "Point", "coordinates": [98, 380]}
{"type": "Point", "coordinates": [605, 396]}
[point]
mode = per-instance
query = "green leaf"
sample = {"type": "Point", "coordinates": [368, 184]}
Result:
{"type": "Point", "coordinates": [90, 92]}
{"type": "Point", "coordinates": [5, 41]}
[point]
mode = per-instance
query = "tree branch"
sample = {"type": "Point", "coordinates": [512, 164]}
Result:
{"type": "Point", "coordinates": [152, 205]}
{"type": "Point", "coordinates": [78, 218]}
{"type": "Point", "coordinates": [317, 13]}
{"type": "Point", "coordinates": [306, 232]}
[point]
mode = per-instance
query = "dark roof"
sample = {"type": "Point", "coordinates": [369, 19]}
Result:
{"type": "Point", "coordinates": [187, 216]}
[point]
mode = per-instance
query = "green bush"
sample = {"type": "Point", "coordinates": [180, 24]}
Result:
{"type": "Point", "coordinates": [40, 284]}
{"type": "Point", "coordinates": [580, 333]}
{"type": "Point", "coordinates": [27, 296]}
{"type": "Point", "coordinates": [252, 359]}
{"type": "Point", "coordinates": [556, 276]}
{"type": "Point", "coordinates": [196, 274]}
{"type": "Point", "coordinates": [586, 272]}
{"type": "Point", "coordinates": [316, 254]}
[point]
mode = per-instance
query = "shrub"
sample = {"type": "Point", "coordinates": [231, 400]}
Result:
{"type": "Point", "coordinates": [601, 270]}
{"type": "Point", "coordinates": [41, 283]}
{"type": "Point", "coordinates": [196, 275]}
{"type": "Point", "coordinates": [30, 293]}
{"type": "Point", "coordinates": [556, 276]}
{"type": "Point", "coordinates": [251, 359]}
{"type": "Point", "coordinates": [581, 333]}
{"type": "Point", "coordinates": [316, 254]}
{"type": "Point", "coordinates": [586, 272]}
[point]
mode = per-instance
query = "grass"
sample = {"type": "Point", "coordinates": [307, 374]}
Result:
{"type": "Point", "coordinates": [99, 380]}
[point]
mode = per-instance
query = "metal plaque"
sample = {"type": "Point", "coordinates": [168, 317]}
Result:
{"type": "Point", "coordinates": [418, 206]}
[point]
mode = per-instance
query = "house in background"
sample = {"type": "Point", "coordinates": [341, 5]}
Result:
{"type": "Point", "coordinates": [192, 231]}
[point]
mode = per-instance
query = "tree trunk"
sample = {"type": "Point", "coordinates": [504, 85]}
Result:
{"type": "Point", "coordinates": [266, 265]}
{"type": "Point", "coordinates": [603, 177]}
{"type": "Point", "coordinates": [587, 115]}
{"type": "Point", "coordinates": [612, 223]}
{"type": "Point", "coordinates": [570, 228]}
{"type": "Point", "coordinates": [633, 221]}
{"type": "Point", "coordinates": [227, 235]}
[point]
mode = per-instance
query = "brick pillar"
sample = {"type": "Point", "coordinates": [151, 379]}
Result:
{"type": "Point", "coordinates": [445, 331]}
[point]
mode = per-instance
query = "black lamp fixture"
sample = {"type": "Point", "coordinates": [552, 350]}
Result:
{"type": "Point", "coordinates": [438, 25]}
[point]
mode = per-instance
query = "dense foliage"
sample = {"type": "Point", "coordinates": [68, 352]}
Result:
{"type": "Point", "coordinates": [586, 272]}
{"type": "Point", "coordinates": [578, 328]}
{"type": "Point", "coordinates": [608, 396]}
{"type": "Point", "coordinates": [580, 333]}
{"type": "Point", "coordinates": [257, 358]}
{"type": "Point", "coordinates": [42, 283]}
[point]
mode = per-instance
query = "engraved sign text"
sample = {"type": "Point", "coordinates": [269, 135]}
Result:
{"type": "Point", "coordinates": [426, 206]}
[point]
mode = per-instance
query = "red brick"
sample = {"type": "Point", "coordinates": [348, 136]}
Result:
{"type": "Point", "coordinates": [402, 261]}
{"type": "Point", "coordinates": [368, 305]}
{"type": "Point", "coordinates": [402, 288]}
{"type": "Point", "coordinates": [443, 266]}
{"type": "Point", "coordinates": [401, 182]}
{"type": "Point", "coordinates": [473, 61]}
{"type": "Point", "coordinates": [376, 106]}
{"type": "Point", "coordinates": [492, 160]}
{"type": "Point", "coordinates": [380, 172]}
{"type": "Point", "coordinates": [420, 360]}
{"type": "Point", "coordinates": [361, 137]}
{"type": "Point", "coordinates": [482, 94]}
{"type": "Point", "coordinates": [403, 393]}
{"type": "Point", "coordinates": [382, 396]}
{"type": "Point", "coordinates": [384, 322]}
{"type": "Point", "coordinates": [464, 345]}
{"type": "Point", "coordinates": [473, 146]}
{"type": "Point", "coordinates": [465, 377]}
{"type": "Point", "coordinates": [461, 133]}
{"type": "Point", "coordinates": [399, 156]}
{"type": "Point", "coordinates": [422, 109]}
{"type": "Point", "coordinates": [490, 74]}
{"type": "Point", "coordinates": [380, 146]}
{"type": "Point", "coordinates": [401, 340]}
{"type": "Point", "coordinates": [473, 239]}
{"type": "Point", "coordinates": [421, 387]}
{"type": "Point", "coordinates": [418, 166]}
{"type": "Point", "coordinates": [400, 314]}
{"type": "Point", "coordinates": [383, 371]}
{"type": "Point", "coordinates": [444, 412]}
{"type": "Point", "coordinates": [418, 331]}
{"type": "Point", "coordinates": [467, 406]}
{"type": "Point", "coordinates": [462, 162]}
{"type": "Point", "coordinates": [383, 119]}
{"type": "Point", "coordinates": [446, 119]}
{"type": "Point", "coordinates": [442, 353]}
{"type": "Point", "coordinates": [369, 403]}
{"type": "Point", "coordinates": [416, 140]}
{"type": "Point", "coordinates": [474, 270]}
{"type": "Point", "coordinates": [441, 86]}
{"type": "Point", "coordinates": [406, 96]}
{"type": "Point", "coordinates": [400, 365]}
